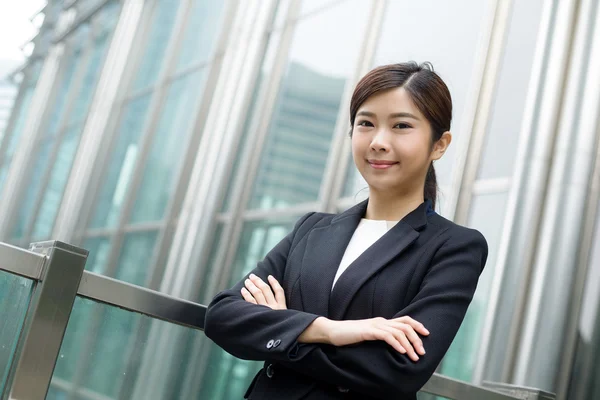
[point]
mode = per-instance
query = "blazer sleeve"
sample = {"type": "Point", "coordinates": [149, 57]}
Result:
{"type": "Point", "coordinates": [377, 369]}
{"type": "Point", "coordinates": [255, 332]}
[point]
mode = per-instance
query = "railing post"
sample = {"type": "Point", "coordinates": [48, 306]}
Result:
{"type": "Point", "coordinates": [46, 321]}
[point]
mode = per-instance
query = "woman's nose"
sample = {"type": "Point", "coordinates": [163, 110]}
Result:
{"type": "Point", "coordinates": [380, 141]}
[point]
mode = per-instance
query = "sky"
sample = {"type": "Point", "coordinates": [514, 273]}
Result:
{"type": "Point", "coordinates": [16, 27]}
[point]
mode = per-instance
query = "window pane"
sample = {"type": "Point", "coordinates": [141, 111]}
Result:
{"type": "Point", "coordinates": [71, 66]}
{"type": "Point", "coordinates": [111, 360]}
{"type": "Point", "coordinates": [168, 148]}
{"type": "Point", "coordinates": [94, 64]}
{"type": "Point", "coordinates": [205, 294]}
{"type": "Point", "coordinates": [136, 257]}
{"type": "Point", "coordinates": [78, 339]}
{"type": "Point", "coordinates": [58, 179]}
{"type": "Point", "coordinates": [501, 140]}
{"type": "Point", "coordinates": [201, 32]}
{"type": "Point", "coordinates": [322, 57]}
{"type": "Point", "coordinates": [98, 248]}
{"type": "Point", "coordinates": [26, 209]}
{"type": "Point", "coordinates": [162, 24]}
{"type": "Point", "coordinates": [585, 373]}
{"type": "Point", "coordinates": [258, 238]}
{"type": "Point", "coordinates": [226, 377]}
{"type": "Point", "coordinates": [121, 163]}
{"type": "Point", "coordinates": [15, 293]}
{"type": "Point", "coordinates": [487, 216]}
{"type": "Point", "coordinates": [446, 33]}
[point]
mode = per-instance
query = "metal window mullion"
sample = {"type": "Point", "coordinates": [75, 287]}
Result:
{"type": "Point", "coordinates": [80, 20]}
{"type": "Point", "coordinates": [149, 130]}
{"type": "Point", "coordinates": [497, 353]}
{"type": "Point", "coordinates": [570, 173]}
{"type": "Point", "coordinates": [251, 162]}
{"type": "Point", "coordinates": [74, 89]}
{"type": "Point", "coordinates": [584, 256]}
{"type": "Point", "coordinates": [227, 250]}
{"type": "Point", "coordinates": [184, 172]}
{"type": "Point", "coordinates": [480, 112]}
{"type": "Point", "coordinates": [47, 319]}
{"type": "Point", "coordinates": [10, 126]}
{"type": "Point", "coordinates": [15, 183]}
{"type": "Point", "coordinates": [94, 183]}
{"type": "Point", "coordinates": [116, 240]}
{"type": "Point", "coordinates": [339, 155]}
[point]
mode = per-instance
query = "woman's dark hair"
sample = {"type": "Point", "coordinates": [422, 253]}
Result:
{"type": "Point", "coordinates": [426, 89]}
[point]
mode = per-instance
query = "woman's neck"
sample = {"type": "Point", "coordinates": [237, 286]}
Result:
{"type": "Point", "coordinates": [391, 207]}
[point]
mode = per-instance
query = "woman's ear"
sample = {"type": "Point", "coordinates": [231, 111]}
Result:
{"type": "Point", "coordinates": [440, 147]}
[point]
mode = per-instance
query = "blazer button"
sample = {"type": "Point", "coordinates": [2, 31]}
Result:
{"type": "Point", "coordinates": [270, 343]}
{"type": "Point", "coordinates": [276, 343]}
{"type": "Point", "coordinates": [270, 371]}
{"type": "Point", "coordinates": [342, 389]}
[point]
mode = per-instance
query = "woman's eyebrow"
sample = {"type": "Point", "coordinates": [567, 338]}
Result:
{"type": "Point", "coordinates": [404, 115]}
{"type": "Point", "coordinates": [394, 115]}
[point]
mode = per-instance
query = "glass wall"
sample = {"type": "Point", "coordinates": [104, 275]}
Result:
{"type": "Point", "coordinates": [57, 143]}
{"type": "Point", "coordinates": [10, 139]}
{"type": "Point", "coordinates": [133, 200]}
{"type": "Point", "coordinates": [284, 153]}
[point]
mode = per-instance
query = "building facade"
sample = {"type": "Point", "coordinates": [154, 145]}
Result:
{"type": "Point", "coordinates": [179, 141]}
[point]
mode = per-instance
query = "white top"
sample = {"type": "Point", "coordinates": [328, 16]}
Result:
{"type": "Point", "coordinates": [367, 232]}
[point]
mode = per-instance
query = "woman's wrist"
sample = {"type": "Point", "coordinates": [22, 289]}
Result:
{"type": "Point", "coordinates": [317, 332]}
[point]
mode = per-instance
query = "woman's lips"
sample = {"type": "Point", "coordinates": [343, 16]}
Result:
{"type": "Point", "coordinates": [379, 164]}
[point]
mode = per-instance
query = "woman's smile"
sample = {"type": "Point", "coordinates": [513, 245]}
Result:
{"type": "Point", "coordinates": [381, 164]}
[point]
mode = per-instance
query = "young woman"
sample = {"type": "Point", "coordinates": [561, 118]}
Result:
{"type": "Point", "coordinates": [363, 304]}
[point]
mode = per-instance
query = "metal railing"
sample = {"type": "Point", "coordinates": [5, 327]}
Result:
{"type": "Point", "coordinates": [57, 270]}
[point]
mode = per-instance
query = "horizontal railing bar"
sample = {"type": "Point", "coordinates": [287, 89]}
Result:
{"type": "Point", "coordinates": [21, 262]}
{"type": "Point", "coordinates": [444, 386]}
{"type": "Point", "coordinates": [141, 300]}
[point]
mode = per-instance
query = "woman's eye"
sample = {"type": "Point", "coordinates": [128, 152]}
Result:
{"type": "Point", "coordinates": [365, 123]}
{"type": "Point", "coordinates": [402, 125]}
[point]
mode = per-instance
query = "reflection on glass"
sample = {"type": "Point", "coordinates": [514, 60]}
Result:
{"type": "Point", "coordinates": [15, 293]}
{"type": "Point", "coordinates": [201, 32]}
{"type": "Point", "coordinates": [107, 359]}
{"type": "Point", "coordinates": [226, 377]}
{"type": "Point", "coordinates": [257, 239]}
{"type": "Point", "coordinates": [136, 257]}
{"type": "Point", "coordinates": [76, 339]}
{"type": "Point", "coordinates": [27, 205]}
{"type": "Point", "coordinates": [306, 111]}
{"type": "Point", "coordinates": [205, 293]}
{"type": "Point", "coordinates": [501, 140]}
{"type": "Point", "coordinates": [450, 42]}
{"type": "Point", "coordinates": [487, 216]}
{"type": "Point", "coordinates": [58, 179]}
{"type": "Point", "coordinates": [585, 372]}
{"type": "Point", "coordinates": [120, 165]}
{"type": "Point", "coordinates": [168, 148]}
{"type": "Point", "coordinates": [161, 29]}
{"type": "Point", "coordinates": [260, 86]}
{"type": "Point", "coordinates": [98, 248]}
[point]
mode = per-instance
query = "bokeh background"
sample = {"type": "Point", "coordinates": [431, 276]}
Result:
{"type": "Point", "coordinates": [179, 140]}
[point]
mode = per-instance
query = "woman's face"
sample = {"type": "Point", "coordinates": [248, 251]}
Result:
{"type": "Point", "coordinates": [392, 143]}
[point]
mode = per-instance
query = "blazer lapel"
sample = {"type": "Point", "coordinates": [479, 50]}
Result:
{"type": "Point", "coordinates": [389, 246]}
{"type": "Point", "coordinates": [325, 248]}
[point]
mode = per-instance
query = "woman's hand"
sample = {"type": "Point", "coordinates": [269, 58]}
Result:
{"type": "Point", "coordinates": [400, 333]}
{"type": "Point", "coordinates": [258, 292]}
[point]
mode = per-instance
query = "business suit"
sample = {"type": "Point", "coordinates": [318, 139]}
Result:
{"type": "Point", "coordinates": [425, 267]}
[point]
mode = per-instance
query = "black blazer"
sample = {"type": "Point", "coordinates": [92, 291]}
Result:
{"type": "Point", "coordinates": [425, 267]}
